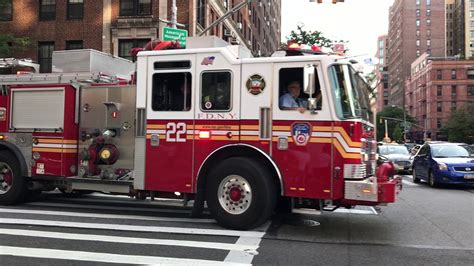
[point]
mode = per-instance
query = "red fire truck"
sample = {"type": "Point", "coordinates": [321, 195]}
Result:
{"type": "Point", "coordinates": [208, 123]}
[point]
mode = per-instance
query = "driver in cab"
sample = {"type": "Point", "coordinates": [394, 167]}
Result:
{"type": "Point", "coordinates": [291, 100]}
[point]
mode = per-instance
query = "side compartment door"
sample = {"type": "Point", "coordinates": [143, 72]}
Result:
{"type": "Point", "coordinates": [170, 123]}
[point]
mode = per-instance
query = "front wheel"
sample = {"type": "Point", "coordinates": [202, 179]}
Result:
{"type": "Point", "coordinates": [241, 193]}
{"type": "Point", "coordinates": [431, 180]}
{"type": "Point", "coordinates": [415, 178]}
{"type": "Point", "coordinates": [12, 184]}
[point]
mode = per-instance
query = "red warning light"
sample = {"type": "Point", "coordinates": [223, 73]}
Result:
{"type": "Point", "coordinates": [114, 114]}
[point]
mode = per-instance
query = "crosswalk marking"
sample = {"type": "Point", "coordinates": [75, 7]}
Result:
{"type": "Point", "coordinates": [245, 248]}
{"type": "Point", "coordinates": [247, 256]}
{"type": "Point", "coordinates": [104, 257]}
{"type": "Point", "coordinates": [103, 207]}
{"type": "Point", "coordinates": [136, 228]}
{"type": "Point", "coordinates": [108, 216]}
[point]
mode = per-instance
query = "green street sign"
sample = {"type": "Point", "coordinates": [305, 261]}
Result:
{"type": "Point", "coordinates": [170, 34]}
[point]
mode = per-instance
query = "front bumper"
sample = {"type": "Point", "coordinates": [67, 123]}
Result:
{"type": "Point", "coordinates": [371, 191]}
{"type": "Point", "coordinates": [453, 177]}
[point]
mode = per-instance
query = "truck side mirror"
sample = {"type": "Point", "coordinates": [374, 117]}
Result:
{"type": "Point", "coordinates": [309, 80]}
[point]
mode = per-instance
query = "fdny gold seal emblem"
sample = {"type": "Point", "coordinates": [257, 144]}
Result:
{"type": "Point", "coordinates": [255, 84]}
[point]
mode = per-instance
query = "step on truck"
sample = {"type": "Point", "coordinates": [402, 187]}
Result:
{"type": "Point", "coordinates": [208, 124]}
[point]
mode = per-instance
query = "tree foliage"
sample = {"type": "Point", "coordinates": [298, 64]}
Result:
{"type": "Point", "coordinates": [10, 44]}
{"type": "Point", "coordinates": [309, 37]}
{"type": "Point", "coordinates": [460, 127]}
{"type": "Point", "coordinates": [395, 131]}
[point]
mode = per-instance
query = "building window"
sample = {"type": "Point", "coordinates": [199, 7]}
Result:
{"type": "Point", "coordinates": [470, 74]}
{"type": "Point", "coordinates": [417, 42]}
{"type": "Point", "coordinates": [417, 2]}
{"type": "Point", "coordinates": [428, 22]}
{"type": "Point", "coordinates": [428, 2]}
{"type": "Point", "coordinates": [75, 9]}
{"type": "Point", "coordinates": [439, 106]}
{"type": "Point", "coordinates": [471, 14]}
{"type": "Point", "coordinates": [45, 56]}
{"type": "Point", "coordinates": [6, 10]}
{"type": "Point", "coordinates": [172, 92]}
{"type": "Point", "coordinates": [453, 73]}
{"type": "Point", "coordinates": [126, 45]}
{"type": "Point", "coordinates": [439, 91]}
{"type": "Point", "coordinates": [428, 51]}
{"type": "Point", "coordinates": [428, 12]}
{"type": "Point", "coordinates": [47, 10]}
{"type": "Point", "coordinates": [135, 7]}
{"type": "Point", "coordinates": [472, 3]}
{"type": "Point", "coordinates": [471, 24]}
{"type": "Point", "coordinates": [470, 90]}
{"type": "Point", "coordinates": [201, 12]}
{"type": "Point", "coordinates": [74, 45]}
{"type": "Point", "coordinates": [439, 74]}
{"type": "Point", "coordinates": [453, 106]}
{"type": "Point", "coordinates": [418, 53]}
{"type": "Point", "coordinates": [216, 90]}
{"type": "Point", "coordinates": [417, 12]}
{"type": "Point", "coordinates": [417, 33]}
{"type": "Point", "coordinates": [453, 90]}
{"type": "Point", "coordinates": [438, 123]}
{"type": "Point", "coordinates": [417, 22]}
{"type": "Point", "coordinates": [428, 32]}
{"type": "Point", "coordinates": [428, 42]}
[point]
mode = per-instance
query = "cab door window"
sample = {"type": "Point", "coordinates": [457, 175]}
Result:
{"type": "Point", "coordinates": [291, 94]}
{"type": "Point", "coordinates": [171, 92]}
{"type": "Point", "coordinates": [216, 90]}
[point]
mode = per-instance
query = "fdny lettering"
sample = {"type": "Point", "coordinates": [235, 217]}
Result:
{"type": "Point", "coordinates": [208, 116]}
{"type": "Point", "coordinates": [208, 60]}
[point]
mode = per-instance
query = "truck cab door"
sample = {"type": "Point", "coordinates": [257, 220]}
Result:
{"type": "Point", "coordinates": [170, 123]}
{"type": "Point", "coordinates": [302, 141]}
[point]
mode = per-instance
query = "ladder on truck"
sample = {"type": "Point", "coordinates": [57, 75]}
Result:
{"type": "Point", "coordinates": [56, 78]}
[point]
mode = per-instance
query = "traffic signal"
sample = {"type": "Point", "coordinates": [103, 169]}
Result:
{"type": "Point", "coordinates": [333, 1]}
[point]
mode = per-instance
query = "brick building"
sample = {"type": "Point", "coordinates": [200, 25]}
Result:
{"type": "Point", "coordinates": [115, 26]}
{"type": "Point", "coordinates": [436, 87]}
{"type": "Point", "coordinates": [415, 27]}
{"type": "Point", "coordinates": [381, 72]}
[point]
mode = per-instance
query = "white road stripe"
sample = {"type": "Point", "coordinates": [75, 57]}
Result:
{"type": "Point", "coordinates": [132, 240]}
{"type": "Point", "coordinates": [246, 257]}
{"type": "Point", "coordinates": [127, 201]}
{"type": "Point", "coordinates": [408, 183]}
{"type": "Point", "coordinates": [134, 228]}
{"type": "Point", "coordinates": [102, 257]}
{"type": "Point", "coordinates": [107, 216]}
{"type": "Point", "coordinates": [102, 207]}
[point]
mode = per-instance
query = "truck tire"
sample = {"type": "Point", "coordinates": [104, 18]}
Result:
{"type": "Point", "coordinates": [13, 186]}
{"type": "Point", "coordinates": [241, 193]}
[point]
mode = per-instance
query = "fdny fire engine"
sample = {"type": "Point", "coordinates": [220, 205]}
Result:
{"type": "Point", "coordinates": [208, 124]}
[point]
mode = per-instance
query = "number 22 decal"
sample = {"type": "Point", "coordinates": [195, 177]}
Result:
{"type": "Point", "coordinates": [176, 132]}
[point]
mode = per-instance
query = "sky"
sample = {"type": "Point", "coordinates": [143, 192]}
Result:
{"type": "Point", "coordinates": [358, 21]}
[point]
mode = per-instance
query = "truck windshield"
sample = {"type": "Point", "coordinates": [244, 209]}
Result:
{"type": "Point", "coordinates": [350, 91]}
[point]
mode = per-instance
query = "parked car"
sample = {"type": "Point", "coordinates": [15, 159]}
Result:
{"type": "Point", "coordinates": [444, 163]}
{"type": "Point", "coordinates": [398, 154]}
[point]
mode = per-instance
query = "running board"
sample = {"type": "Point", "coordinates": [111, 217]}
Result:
{"type": "Point", "coordinates": [94, 184]}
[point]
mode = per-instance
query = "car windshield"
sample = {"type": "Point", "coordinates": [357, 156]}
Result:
{"type": "Point", "coordinates": [351, 92]}
{"type": "Point", "coordinates": [451, 151]}
{"type": "Point", "coordinates": [386, 150]}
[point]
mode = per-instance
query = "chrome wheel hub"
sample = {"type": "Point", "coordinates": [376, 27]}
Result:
{"type": "Point", "coordinates": [6, 178]}
{"type": "Point", "coordinates": [235, 194]}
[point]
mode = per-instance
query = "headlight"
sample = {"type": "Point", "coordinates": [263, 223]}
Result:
{"type": "Point", "coordinates": [442, 166]}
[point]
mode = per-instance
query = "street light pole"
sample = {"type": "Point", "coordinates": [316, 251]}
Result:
{"type": "Point", "coordinates": [174, 15]}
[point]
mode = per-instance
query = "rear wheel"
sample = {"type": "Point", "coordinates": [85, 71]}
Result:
{"type": "Point", "coordinates": [241, 193]}
{"type": "Point", "coordinates": [12, 184]}
{"type": "Point", "coordinates": [414, 176]}
{"type": "Point", "coordinates": [431, 180]}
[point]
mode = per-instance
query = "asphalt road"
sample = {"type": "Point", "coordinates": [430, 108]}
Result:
{"type": "Point", "coordinates": [425, 227]}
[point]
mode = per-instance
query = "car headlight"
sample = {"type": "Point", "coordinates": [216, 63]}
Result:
{"type": "Point", "coordinates": [442, 166]}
